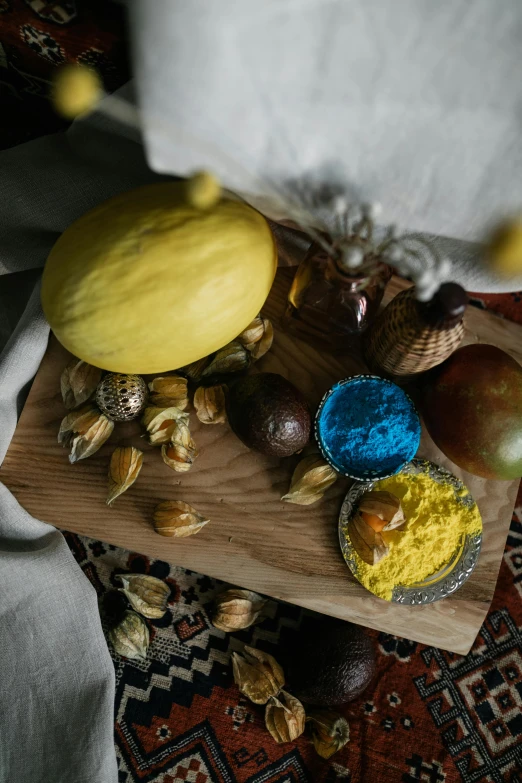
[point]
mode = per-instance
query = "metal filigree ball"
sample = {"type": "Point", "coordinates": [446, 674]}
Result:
{"type": "Point", "coordinates": [121, 397]}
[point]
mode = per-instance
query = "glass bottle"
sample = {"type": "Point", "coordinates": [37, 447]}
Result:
{"type": "Point", "coordinates": [333, 297]}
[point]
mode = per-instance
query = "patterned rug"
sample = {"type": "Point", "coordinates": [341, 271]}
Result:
{"type": "Point", "coordinates": [428, 716]}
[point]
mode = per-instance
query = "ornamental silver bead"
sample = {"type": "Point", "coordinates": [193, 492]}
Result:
{"type": "Point", "coordinates": [121, 397]}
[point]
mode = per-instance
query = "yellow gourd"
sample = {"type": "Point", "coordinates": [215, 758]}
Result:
{"type": "Point", "coordinates": [76, 89]}
{"type": "Point", "coordinates": [148, 282]}
{"type": "Point", "coordinates": [504, 249]}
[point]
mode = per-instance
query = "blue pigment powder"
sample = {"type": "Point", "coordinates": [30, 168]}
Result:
{"type": "Point", "coordinates": [368, 427]}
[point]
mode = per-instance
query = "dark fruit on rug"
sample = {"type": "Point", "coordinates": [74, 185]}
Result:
{"type": "Point", "coordinates": [113, 606]}
{"type": "Point", "coordinates": [331, 663]}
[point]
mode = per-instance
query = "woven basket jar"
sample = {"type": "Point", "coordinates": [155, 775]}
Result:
{"type": "Point", "coordinates": [407, 339]}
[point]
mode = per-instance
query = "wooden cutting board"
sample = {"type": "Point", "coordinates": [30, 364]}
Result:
{"type": "Point", "coordinates": [253, 539]}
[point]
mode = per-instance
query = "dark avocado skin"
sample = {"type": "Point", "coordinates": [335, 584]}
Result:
{"type": "Point", "coordinates": [472, 407]}
{"type": "Point", "coordinates": [269, 414]}
{"type": "Point", "coordinates": [330, 663]}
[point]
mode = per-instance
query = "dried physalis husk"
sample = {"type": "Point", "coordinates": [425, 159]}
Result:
{"type": "Point", "coordinates": [209, 402]}
{"type": "Point", "coordinates": [367, 542]}
{"type": "Point", "coordinates": [253, 332]}
{"type": "Point", "coordinates": [146, 594]}
{"type": "Point", "coordinates": [78, 382]}
{"type": "Point", "coordinates": [124, 468]}
{"type": "Point", "coordinates": [285, 718]}
{"type": "Point", "coordinates": [130, 637]}
{"type": "Point", "coordinates": [257, 338]}
{"type": "Point", "coordinates": [257, 675]}
{"type": "Point", "coordinates": [160, 423]}
{"type": "Point", "coordinates": [84, 431]}
{"type": "Point", "coordinates": [311, 478]}
{"type": "Point", "coordinates": [264, 344]}
{"type": "Point", "coordinates": [180, 453]}
{"type": "Point", "coordinates": [236, 609]}
{"type": "Point", "coordinates": [330, 731]}
{"type": "Point", "coordinates": [175, 518]}
{"type": "Point", "coordinates": [194, 371]}
{"type": "Point", "coordinates": [232, 358]}
{"type": "Point", "coordinates": [381, 510]}
{"type": "Point", "coordinates": [169, 391]}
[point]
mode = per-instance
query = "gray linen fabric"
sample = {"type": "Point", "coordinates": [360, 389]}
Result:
{"type": "Point", "coordinates": [56, 707]}
{"type": "Point", "coordinates": [56, 674]}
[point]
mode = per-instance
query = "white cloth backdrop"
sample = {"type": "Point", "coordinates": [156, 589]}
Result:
{"type": "Point", "coordinates": [421, 104]}
{"type": "Point", "coordinates": [413, 103]}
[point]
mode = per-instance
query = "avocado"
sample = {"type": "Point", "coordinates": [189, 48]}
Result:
{"type": "Point", "coordinates": [269, 414]}
{"type": "Point", "coordinates": [330, 662]}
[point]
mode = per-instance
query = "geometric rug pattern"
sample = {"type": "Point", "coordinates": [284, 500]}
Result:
{"type": "Point", "coordinates": [428, 716]}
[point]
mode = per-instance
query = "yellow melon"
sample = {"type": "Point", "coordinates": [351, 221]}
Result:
{"type": "Point", "coordinates": [145, 282]}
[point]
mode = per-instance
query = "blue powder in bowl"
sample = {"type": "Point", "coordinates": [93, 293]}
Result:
{"type": "Point", "coordinates": [367, 427]}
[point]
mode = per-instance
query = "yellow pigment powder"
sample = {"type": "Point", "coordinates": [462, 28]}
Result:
{"type": "Point", "coordinates": [435, 527]}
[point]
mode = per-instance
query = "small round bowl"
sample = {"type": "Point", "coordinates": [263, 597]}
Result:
{"type": "Point", "coordinates": [455, 572]}
{"type": "Point", "coordinates": [356, 463]}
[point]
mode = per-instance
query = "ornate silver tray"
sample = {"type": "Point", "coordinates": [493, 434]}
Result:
{"type": "Point", "coordinates": [449, 578]}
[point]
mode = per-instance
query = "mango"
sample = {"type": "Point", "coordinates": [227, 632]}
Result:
{"type": "Point", "coordinates": [472, 407]}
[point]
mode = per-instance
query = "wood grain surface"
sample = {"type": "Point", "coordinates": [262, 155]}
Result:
{"type": "Point", "coordinates": [253, 539]}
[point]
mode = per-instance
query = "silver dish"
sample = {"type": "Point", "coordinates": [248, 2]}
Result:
{"type": "Point", "coordinates": [448, 579]}
{"type": "Point", "coordinates": [371, 475]}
